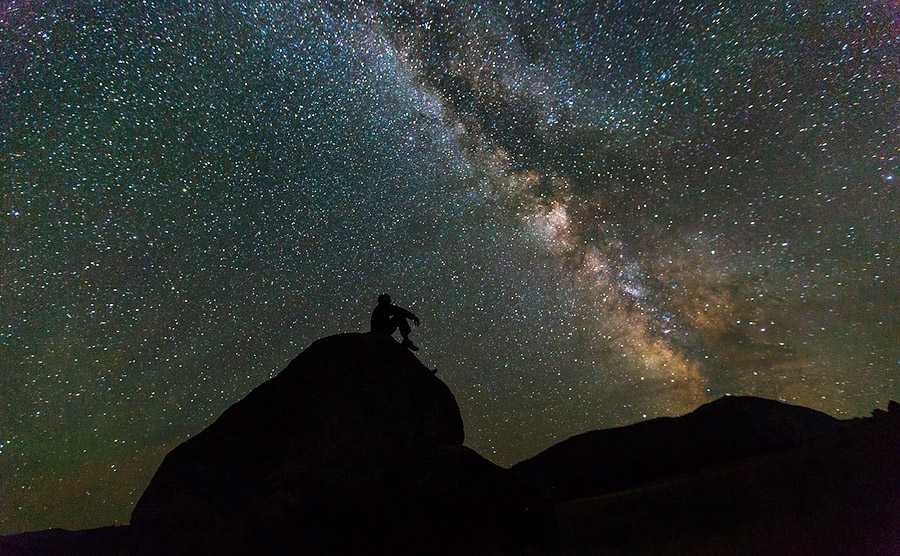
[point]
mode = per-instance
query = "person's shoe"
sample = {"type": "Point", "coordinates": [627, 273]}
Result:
{"type": "Point", "coordinates": [407, 343]}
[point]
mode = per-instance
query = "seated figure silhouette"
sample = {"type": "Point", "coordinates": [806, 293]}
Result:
{"type": "Point", "coordinates": [386, 318]}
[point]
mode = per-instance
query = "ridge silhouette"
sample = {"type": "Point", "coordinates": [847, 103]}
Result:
{"type": "Point", "coordinates": [725, 430]}
{"type": "Point", "coordinates": [357, 448]}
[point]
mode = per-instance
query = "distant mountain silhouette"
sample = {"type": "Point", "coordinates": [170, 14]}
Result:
{"type": "Point", "coordinates": [728, 429]}
{"type": "Point", "coordinates": [836, 494]}
{"type": "Point", "coordinates": [356, 448]}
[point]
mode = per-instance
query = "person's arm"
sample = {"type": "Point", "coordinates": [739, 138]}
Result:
{"type": "Point", "coordinates": [406, 314]}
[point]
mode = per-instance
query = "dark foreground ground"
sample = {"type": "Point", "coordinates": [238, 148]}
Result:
{"type": "Point", "coordinates": [357, 448]}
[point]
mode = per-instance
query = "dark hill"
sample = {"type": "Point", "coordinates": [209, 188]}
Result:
{"type": "Point", "coordinates": [836, 495]}
{"type": "Point", "coordinates": [728, 429]}
{"type": "Point", "coordinates": [102, 541]}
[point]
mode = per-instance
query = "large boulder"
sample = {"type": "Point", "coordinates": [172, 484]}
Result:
{"type": "Point", "coordinates": [356, 447]}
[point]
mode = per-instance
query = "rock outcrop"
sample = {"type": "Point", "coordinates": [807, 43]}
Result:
{"type": "Point", "coordinates": [355, 447]}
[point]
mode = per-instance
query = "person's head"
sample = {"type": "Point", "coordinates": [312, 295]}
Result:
{"type": "Point", "coordinates": [384, 299]}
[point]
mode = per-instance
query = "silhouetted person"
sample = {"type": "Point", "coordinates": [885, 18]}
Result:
{"type": "Point", "coordinates": [387, 318]}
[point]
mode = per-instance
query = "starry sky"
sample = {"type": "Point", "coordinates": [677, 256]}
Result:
{"type": "Point", "coordinates": [602, 212]}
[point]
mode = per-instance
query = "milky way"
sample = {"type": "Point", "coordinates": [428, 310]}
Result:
{"type": "Point", "coordinates": [602, 211]}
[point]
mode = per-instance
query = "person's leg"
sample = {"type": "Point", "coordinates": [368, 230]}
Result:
{"type": "Point", "coordinates": [394, 323]}
{"type": "Point", "coordinates": [386, 329]}
{"type": "Point", "coordinates": [404, 328]}
{"type": "Point", "coordinates": [401, 323]}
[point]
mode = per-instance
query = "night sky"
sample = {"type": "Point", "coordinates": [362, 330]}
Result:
{"type": "Point", "coordinates": [602, 212]}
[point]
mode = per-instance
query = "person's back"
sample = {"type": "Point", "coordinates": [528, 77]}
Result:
{"type": "Point", "coordinates": [386, 318]}
{"type": "Point", "coordinates": [381, 319]}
